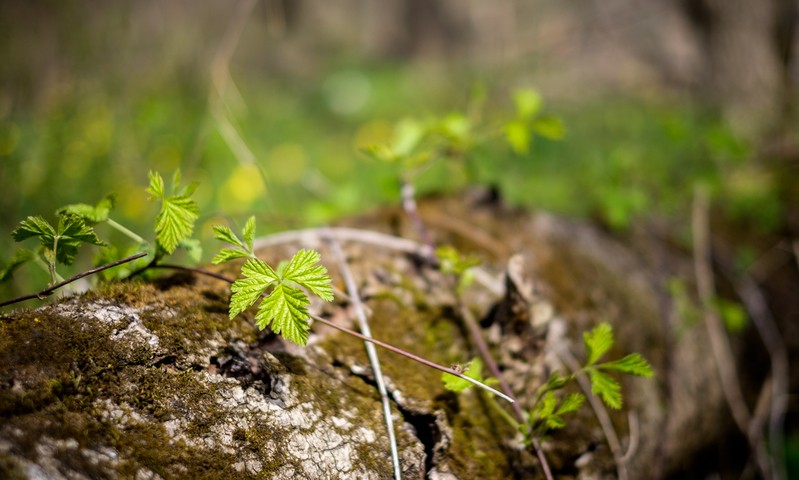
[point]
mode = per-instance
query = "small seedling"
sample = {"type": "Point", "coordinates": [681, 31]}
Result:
{"type": "Point", "coordinates": [285, 308]}
{"type": "Point", "coordinates": [58, 244]}
{"type": "Point", "coordinates": [548, 410]}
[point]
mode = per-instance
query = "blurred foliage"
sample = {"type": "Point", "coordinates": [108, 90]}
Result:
{"type": "Point", "coordinates": [619, 159]}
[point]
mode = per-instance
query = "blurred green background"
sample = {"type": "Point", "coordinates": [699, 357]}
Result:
{"type": "Point", "coordinates": [266, 104]}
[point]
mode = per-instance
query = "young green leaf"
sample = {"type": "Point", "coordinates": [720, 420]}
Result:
{"type": "Point", "coordinates": [35, 227]}
{"type": "Point", "coordinates": [175, 221]}
{"type": "Point", "coordinates": [225, 234]}
{"type": "Point", "coordinates": [457, 384]}
{"type": "Point", "coordinates": [249, 232]}
{"type": "Point", "coordinates": [303, 270]}
{"type": "Point", "coordinates": [545, 407]}
{"type": "Point", "coordinates": [632, 364]}
{"type": "Point", "coordinates": [246, 291]}
{"type": "Point", "coordinates": [156, 188]}
{"type": "Point", "coordinates": [604, 386]}
{"type": "Point", "coordinates": [597, 342]}
{"type": "Point", "coordinates": [227, 254]}
{"type": "Point", "coordinates": [71, 232]}
{"type": "Point", "coordinates": [285, 311]}
{"type": "Point", "coordinates": [570, 404]}
{"type": "Point", "coordinates": [90, 214]}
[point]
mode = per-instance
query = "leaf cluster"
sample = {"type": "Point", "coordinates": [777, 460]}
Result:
{"type": "Point", "coordinates": [285, 307]}
{"type": "Point", "coordinates": [175, 221]}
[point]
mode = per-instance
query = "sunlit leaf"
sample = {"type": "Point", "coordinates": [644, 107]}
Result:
{"type": "Point", "coordinates": [285, 311]}
{"type": "Point", "coordinates": [597, 342]}
{"type": "Point", "coordinates": [632, 364]}
{"type": "Point", "coordinates": [607, 388]}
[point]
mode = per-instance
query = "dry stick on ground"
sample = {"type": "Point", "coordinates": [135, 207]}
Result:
{"type": "Point", "coordinates": [766, 325]}
{"type": "Point", "coordinates": [719, 343]}
{"type": "Point", "coordinates": [599, 409]}
{"type": "Point", "coordinates": [313, 236]}
{"type": "Point", "coordinates": [49, 290]}
{"type": "Point", "coordinates": [371, 352]}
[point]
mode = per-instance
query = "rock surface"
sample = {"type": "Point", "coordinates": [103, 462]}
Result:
{"type": "Point", "coordinates": [153, 380]}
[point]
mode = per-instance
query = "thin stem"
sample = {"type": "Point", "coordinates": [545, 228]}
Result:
{"type": "Point", "coordinates": [485, 353]}
{"type": "Point", "coordinates": [413, 357]}
{"type": "Point", "coordinates": [124, 230]}
{"type": "Point", "coordinates": [600, 412]}
{"type": "Point", "coordinates": [719, 343]}
{"type": "Point", "coordinates": [49, 290]}
{"type": "Point", "coordinates": [355, 334]}
{"type": "Point", "coordinates": [374, 361]}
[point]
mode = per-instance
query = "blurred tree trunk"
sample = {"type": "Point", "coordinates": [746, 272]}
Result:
{"type": "Point", "coordinates": [748, 49]}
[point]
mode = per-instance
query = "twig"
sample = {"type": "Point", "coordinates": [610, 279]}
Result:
{"type": "Point", "coordinates": [485, 354]}
{"type": "Point", "coordinates": [313, 236]}
{"type": "Point", "coordinates": [719, 343]}
{"type": "Point", "coordinates": [599, 409]}
{"type": "Point", "coordinates": [371, 351]}
{"type": "Point", "coordinates": [413, 357]}
{"type": "Point", "coordinates": [632, 421]}
{"type": "Point", "coordinates": [49, 290]}
{"type": "Point", "coordinates": [355, 334]}
{"type": "Point", "coordinates": [408, 193]}
{"type": "Point", "coordinates": [758, 310]}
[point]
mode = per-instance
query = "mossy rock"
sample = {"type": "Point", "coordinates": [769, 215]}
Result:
{"type": "Point", "coordinates": [153, 380]}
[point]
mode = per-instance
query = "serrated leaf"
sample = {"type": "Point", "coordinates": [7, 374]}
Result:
{"type": "Point", "coordinates": [518, 136]}
{"type": "Point", "coordinates": [285, 311]}
{"type": "Point", "coordinates": [546, 406]}
{"type": "Point", "coordinates": [606, 387]}
{"type": "Point", "coordinates": [457, 384]}
{"type": "Point", "coordinates": [175, 221]}
{"type": "Point", "coordinates": [570, 404]}
{"type": "Point", "coordinates": [249, 232]}
{"type": "Point", "coordinates": [156, 187]}
{"type": "Point", "coordinates": [35, 226]}
{"type": "Point", "coordinates": [225, 234]}
{"type": "Point", "coordinates": [246, 291]}
{"type": "Point", "coordinates": [527, 101]}
{"type": "Point", "coordinates": [597, 342]}
{"type": "Point", "coordinates": [554, 422]}
{"type": "Point", "coordinates": [555, 382]}
{"type": "Point", "coordinates": [632, 364]}
{"type": "Point", "coordinates": [227, 254]}
{"type": "Point", "coordinates": [303, 270]}
{"type": "Point", "coordinates": [71, 232]}
{"type": "Point", "coordinates": [258, 269]}
{"type": "Point", "coordinates": [21, 256]}
{"type": "Point", "coordinates": [90, 213]}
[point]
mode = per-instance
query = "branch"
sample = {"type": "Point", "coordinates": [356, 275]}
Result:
{"type": "Point", "coordinates": [719, 343]}
{"type": "Point", "coordinates": [599, 409]}
{"type": "Point", "coordinates": [355, 334]}
{"type": "Point", "coordinates": [371, 352]}
{"type": "Point", "coordinates": [49, 290]}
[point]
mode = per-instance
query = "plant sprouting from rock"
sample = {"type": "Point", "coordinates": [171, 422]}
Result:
{"type": "Point", "coordinates": [285, 308]}
{"type": "Point", "coordinates": [549, 410]}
